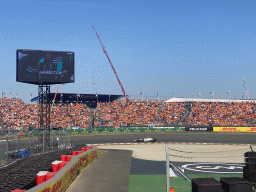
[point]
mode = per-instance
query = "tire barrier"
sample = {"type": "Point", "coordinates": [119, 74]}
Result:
{"type": "Point", "coordinates": [22, 173]}
{"type": "Point", "coordinates": [63, 158]}
{"type": "Point", "coordinates": [55, 166]}
{"type": "Point", "coordinates": [49, 175]}
{"type": "Point", "coordinates": [62, 164]}
{"type": "Point", "coordinates": [76, 152]}
{"type": "Point", "coordinates": [64, 177]}
{"type": "Point", "coordinates": [69, 157]}
{"type": "Point", "coordinates": [41, 177]}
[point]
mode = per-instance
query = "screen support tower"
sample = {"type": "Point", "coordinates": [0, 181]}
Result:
{"type": "Point", "coordinates": [92, 111]}
{"type": "Point", "coordinates": [44, 116]}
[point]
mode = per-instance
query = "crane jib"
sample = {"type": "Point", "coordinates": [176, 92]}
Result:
{"type": "Point", "coordinates": [112, 66]}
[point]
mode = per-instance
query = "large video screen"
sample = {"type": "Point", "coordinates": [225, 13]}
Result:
{"type": "Point", "coordinates": [44, 67]}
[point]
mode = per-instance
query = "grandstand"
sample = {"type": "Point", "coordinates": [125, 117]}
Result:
{"type": "Point", "coordinates": [174, 99]}
{"type": "Point", "coordinates": [187, 112]}
{"type": "Point", "coordinates": [217, 112]}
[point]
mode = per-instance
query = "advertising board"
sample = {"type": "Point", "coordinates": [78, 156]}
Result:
{"type": "Point", "coordinates": [234, 129]}
{"type": "Point", "coordinates": [199, 129]}
{"type": "Point", "coordinates": [44, 67]}
{"type": "Point", "coordinates": [64, 182]}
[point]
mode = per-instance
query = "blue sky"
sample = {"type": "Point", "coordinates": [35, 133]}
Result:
{"type": "Point", "coordinates": [163, 46]}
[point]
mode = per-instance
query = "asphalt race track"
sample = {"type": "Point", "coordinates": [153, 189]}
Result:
{"type": "Point", "coordinates": [141, 167]}
{"type": "Point", "coordinates": [234, 138]}
{"type": "Point", "coordinates": [146, 167]}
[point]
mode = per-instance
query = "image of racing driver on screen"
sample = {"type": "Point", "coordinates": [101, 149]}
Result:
{"type": "Point", "coordinates": [47, 67]}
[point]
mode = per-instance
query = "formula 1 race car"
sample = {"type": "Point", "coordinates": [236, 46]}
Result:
{"type": "Point", "coordinates": [146, 139]}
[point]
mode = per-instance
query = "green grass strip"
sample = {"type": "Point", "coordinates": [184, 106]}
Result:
{"type": "Point", "coordinates": [183, 185]}
{"type": "Point", "coordinates": [147, 183]}
{"type": "Point", "coordinates": [153, 183]}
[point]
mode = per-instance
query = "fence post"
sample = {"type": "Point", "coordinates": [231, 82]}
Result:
{"type": "Point", "coordinates": [18, 140]}
{"type": "Point", "coordinates": [7, 148]}
{"type": "Point", "coordinates": [167, 168]}
{"type": "Point", "coordinates": [59, 140]}
{"type": "Point", "coordinates": [52, 139]}
{"type": "Point", "coordinates": [30, 142]}
{"type": "Point", "coordinates": [68, 140]}
{"type": "Point", "coordinates": [43, 140]}
{"type": "Point", "coordinates": [65, 139]}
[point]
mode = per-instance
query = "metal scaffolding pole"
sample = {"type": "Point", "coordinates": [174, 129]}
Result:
{"type": "Point", "coordinates": [44, 115]}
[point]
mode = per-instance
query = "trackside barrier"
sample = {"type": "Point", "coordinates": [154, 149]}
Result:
{"type": "Point", "coordinates": [113, 130]}
{"type": "Point", "coordinates": [234, 129]}
{"type": "Point", "coordinates": [146, 129]}
{"type": "Point", "coordinates": [64, 177]}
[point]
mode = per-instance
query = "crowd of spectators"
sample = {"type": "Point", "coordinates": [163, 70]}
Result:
{"type": "Point", "coordinates": [17, 114]}
{"type": "Point", "coordinates": [222, 114]}
{"type": "Point", "coordinates": [139, 113]}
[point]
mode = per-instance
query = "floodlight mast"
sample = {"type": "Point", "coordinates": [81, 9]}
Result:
{"type": "Point", "coordinates": [112, 66]}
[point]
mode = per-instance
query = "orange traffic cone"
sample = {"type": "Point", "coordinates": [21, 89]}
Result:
{"type": "Point", "coordinates": [172, 190]}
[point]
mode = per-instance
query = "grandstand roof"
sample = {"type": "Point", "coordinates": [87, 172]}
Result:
{"type": "Point", "coordinates": [81, 98]}
{"type": "Point", "coordinates": [174, 99]}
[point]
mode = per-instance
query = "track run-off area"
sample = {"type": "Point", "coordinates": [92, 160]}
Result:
{"type": "Point", "coordinates": [179, 137]}
{"type": "Point", "coordinates": [127, 166]}
{"type": "Point", "coordinates": [147, 163]}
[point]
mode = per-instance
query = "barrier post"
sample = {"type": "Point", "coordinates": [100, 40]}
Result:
{"type": "Point", "coordinates": [68, 140]}
{"type": "Point", "coordinates": [65, 138]}
{"type": "Point", "coordinates": [7, 148]}
{"type": "Point", "coordinates": [43, 140]}
{"type": "Point", "coordinates": [58, 140]}
{"type": "Point", "coordinates": [18, 141]}
{"type": "Point", "coordinates": [167, 168]}
{"type": "Point", "coordinates": [52, 139]}
{"type": "Point", "coordinates": [30, 142]}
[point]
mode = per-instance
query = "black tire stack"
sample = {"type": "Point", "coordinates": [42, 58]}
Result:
{"type": "Point", "coordinates": [249, 171]}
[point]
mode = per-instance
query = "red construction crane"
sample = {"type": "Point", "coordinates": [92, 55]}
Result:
{"type": "Point", "coordinates": [112, 66]}
{"type": "Point", "coordinates": [55, 94]}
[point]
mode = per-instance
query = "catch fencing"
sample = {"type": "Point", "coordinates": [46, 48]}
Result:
{"type": "Point", "coordinates": [20, 145]}
{"type": "Point", "coordinates": [124, 130]}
